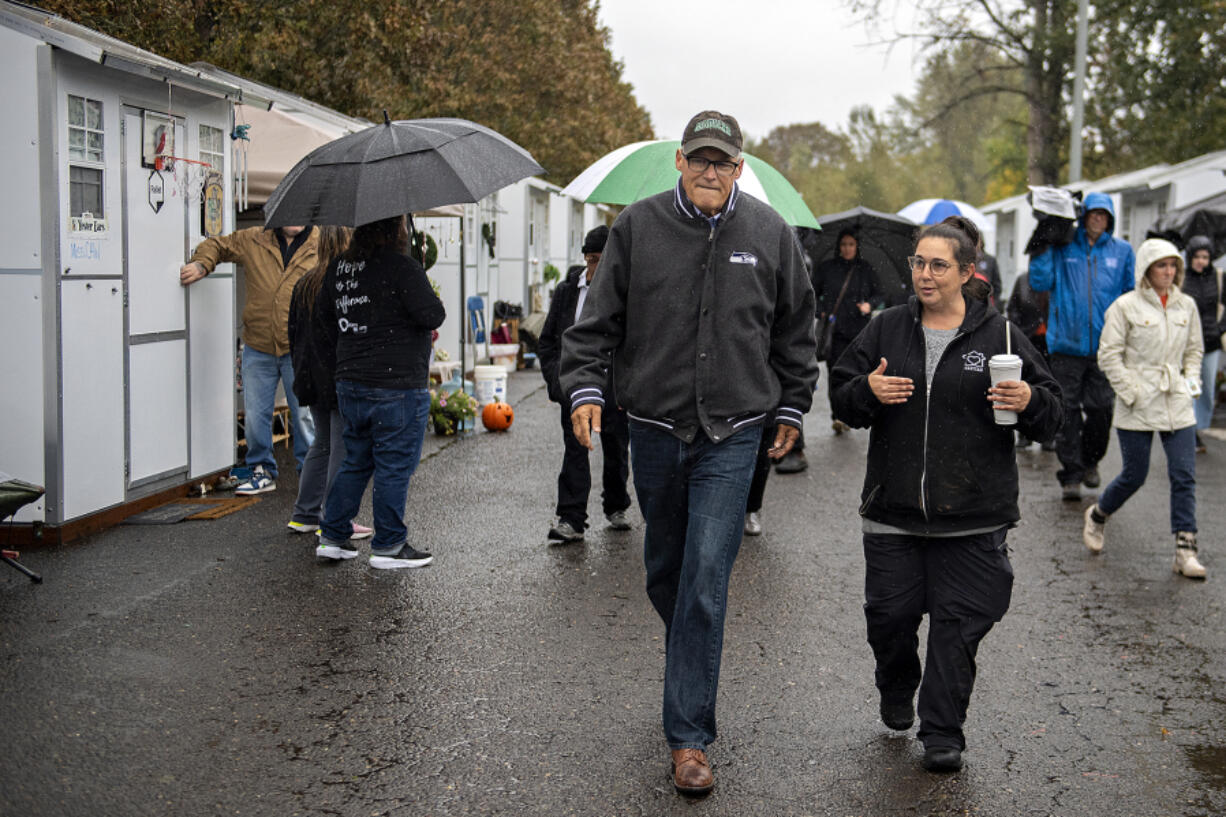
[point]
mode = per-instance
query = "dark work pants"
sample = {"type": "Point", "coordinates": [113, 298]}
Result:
{"type": "Point", "coordinates": [575, 478]}
{"type": "Point", "coordinates": [1089, 403]}
{"type": "Point", "coordinates": [964, 584]}
{"type": "Point", "coordinates": [761, 469]}
{"type": "Point", "coordinates": [838, 345]}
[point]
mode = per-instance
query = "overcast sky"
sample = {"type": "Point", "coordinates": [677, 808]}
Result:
{"type": "Point", "coordinates": [766, 62]}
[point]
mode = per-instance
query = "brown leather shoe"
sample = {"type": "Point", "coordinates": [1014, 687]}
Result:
{"type": "Point", "coordinates": [691, 772]}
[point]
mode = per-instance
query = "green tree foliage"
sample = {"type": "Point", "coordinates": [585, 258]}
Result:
{"type": "Point", "coordinates": [1158, 74]}
{"type": "Point", "coordinates": [923, 146]}
{"type": "Point", "coordinates": [538, 71]}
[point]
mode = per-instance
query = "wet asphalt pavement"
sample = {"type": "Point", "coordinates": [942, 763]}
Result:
{"type": "Point", "coordinates": [214, 668]}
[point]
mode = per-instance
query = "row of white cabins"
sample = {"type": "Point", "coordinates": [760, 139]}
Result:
{"type": "Point", "coordinates": [118, 382]}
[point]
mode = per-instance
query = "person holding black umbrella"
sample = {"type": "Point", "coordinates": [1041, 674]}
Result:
{"type": "Point", "coordinates": [847, 293]}
{"type": "Point", "coordinates": [377, 308]}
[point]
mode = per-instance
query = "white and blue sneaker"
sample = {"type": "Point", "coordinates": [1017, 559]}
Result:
{"type": "Point", "coordinates": [407, 557]}
{"type": "Point", "coordinates": [335, 550]}
{"type": "Point", "coordinates": [259, 483]}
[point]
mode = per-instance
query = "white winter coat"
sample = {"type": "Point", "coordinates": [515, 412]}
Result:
{"type": "Point", "coordinates": [1149, 353]}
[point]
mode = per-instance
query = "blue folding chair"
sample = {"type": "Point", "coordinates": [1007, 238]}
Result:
{"type": "Point", "coordinates": [476, 326]}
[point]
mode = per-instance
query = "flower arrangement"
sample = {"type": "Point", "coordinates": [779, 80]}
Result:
{"type": "Point", "coordinates": [451, 411]}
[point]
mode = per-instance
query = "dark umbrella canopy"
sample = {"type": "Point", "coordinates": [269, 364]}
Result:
{"type": "Point", "coordinates": [885, 241]}
{"type": "Point", "coordinates": [395, 168]}
{"type": "Point", "coordinates": [1206, 217]}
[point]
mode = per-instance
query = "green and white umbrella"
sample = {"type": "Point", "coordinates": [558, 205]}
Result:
{"type": "Point", "coordinates": [642, 169]}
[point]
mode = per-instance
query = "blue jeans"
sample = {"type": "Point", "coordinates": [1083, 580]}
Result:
{"type": "Point", "coordinates": [692, 496]}
{"type": "Point", "coordinates": [383, 436]}
{"type": "Point", "coordinates": [261, 371]}
{"type": "Point", "coordinates": [1208, 391]}
{"type": "Point", "coordinates": [1180, 448]}
{"type": "Point", "coordinates": [322, 462]}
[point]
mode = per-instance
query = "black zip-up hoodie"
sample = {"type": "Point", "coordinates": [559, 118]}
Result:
{"type": "Point", "coordinates": [1203, 288]}
{"type": "Point", "coordinates": [941, 464]}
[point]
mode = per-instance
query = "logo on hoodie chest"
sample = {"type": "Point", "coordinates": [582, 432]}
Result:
{"type": "Point", "coordinates": [973, 361]}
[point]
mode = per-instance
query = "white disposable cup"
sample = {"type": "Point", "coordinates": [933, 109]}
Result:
{"type": "Point", "coordinates": [1002, 368]}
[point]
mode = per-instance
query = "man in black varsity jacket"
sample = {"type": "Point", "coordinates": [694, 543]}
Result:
{"type": "Point", "coordinates": [704, 310]}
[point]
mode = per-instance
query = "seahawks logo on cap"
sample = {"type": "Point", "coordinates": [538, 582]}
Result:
{"type": "Point", "coordinates": [722, 127]}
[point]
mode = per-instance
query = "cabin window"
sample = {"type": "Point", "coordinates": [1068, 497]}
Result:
{"type": "Point", "coordinates": [85, 157]}
{"type": "Point", "coordinates": [213, 147]}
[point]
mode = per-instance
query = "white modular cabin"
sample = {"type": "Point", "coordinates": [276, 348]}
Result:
{"type": "Point", "coordinates": [507, 239]}
{"type": "Point", "coordinates": [119, 382]}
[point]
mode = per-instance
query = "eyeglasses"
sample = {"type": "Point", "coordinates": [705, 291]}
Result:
{"type": "Point", "coordinates": [938, 266]}
{"type": "Point", "coordinates": [699, 164]}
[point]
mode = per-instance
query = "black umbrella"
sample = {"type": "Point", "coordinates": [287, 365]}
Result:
{"type": "Point", "coordinates": [885, 242]}
{"type": "Point", "coordinates": [396, 168]}
{"type": "Point", "coordinates": [1206, 217]}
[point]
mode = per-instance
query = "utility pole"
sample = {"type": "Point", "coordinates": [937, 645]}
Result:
{"type": "Point", "coordinates": [1079, 89]}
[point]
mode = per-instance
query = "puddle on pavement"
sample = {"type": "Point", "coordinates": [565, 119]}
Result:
{"type": "Point", "coordinates": [1210, 762]}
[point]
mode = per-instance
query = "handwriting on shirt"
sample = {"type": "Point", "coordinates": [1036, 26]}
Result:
{"type": "Point", "coordinates": [346, 281]}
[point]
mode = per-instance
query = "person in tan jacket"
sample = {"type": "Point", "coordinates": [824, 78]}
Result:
{"type": "Point", "coordinates": [1150, 349]}
{"type": "Point", "coordinates": [273, 260]}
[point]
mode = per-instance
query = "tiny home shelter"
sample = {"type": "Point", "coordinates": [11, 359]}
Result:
{"type": "Point", "coordinates": [118, 382]}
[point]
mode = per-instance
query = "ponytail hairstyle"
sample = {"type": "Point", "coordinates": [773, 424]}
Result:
{"type": "Point", "coordinates": [967, 242]}
{"type": "Point", "coordinates": [332, 242]}
{"type": "Point", "coordinates": [369, 239]}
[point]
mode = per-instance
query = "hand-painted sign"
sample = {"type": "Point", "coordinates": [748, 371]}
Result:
{"type": "Point", "coordinates": [214, 200]}
{"type": "Point", "coordinates": [157, 191]}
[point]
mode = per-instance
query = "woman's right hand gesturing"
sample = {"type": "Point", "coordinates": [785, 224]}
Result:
{"type": "Point", "coordinates": [889, 390]}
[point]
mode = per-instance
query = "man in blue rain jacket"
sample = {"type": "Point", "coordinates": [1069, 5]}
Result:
{"type": "Point", "coordinates": [1084, 277]}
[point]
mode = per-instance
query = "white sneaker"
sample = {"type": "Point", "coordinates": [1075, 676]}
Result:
{"type": "Point", "coordinates": [302, 527]}
{"type": "Point", "coordinates": [1093, 532]}
{"type": "Point", "coordinates": [619, 520]}
{"type": "Point", "coordinates": [753, 524]}
{"type": "Point", "coordinates": [1186, 563]}
{"type": "Point", "coordinates": [565, 532]}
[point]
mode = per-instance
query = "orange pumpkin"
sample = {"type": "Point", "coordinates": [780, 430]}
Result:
{"type": "Point", "coordinates": [497, 416]}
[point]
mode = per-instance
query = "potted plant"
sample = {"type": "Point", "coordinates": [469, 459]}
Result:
{"type": "Point", "coordinates": [452, 411]}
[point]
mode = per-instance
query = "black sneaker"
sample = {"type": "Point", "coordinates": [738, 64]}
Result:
{"type": "Point", "coordinates": [898, 715]}
{"type": "Point", "coordinates": [792, 462]}
{"type": "Point", "coordinates": [407, 557]}
{"type": "Point", "coordinates": [942, 759]}
{"type": "Point", "coordinates": [335, 550]}
{"type": "Point", "coordinates": [1091, 479]}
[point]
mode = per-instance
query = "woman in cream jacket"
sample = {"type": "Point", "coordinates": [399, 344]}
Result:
{"type": "Point", "coordinates": [1150, 350]}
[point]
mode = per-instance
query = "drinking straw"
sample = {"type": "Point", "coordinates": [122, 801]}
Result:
{"type": "Point", "coordinates": [1008, 345]}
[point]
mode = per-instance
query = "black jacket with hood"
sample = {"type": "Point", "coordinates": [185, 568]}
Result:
{"type": "Point", "coordinates": [862, 287]}
{"type": "Point", "coordinates": [941, 465]}
{"type": "Point", "coordinates": [1205, 289]}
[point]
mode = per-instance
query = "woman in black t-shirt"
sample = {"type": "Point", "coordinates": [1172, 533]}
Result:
{"type": "Point", "coordinates": [377, 306]}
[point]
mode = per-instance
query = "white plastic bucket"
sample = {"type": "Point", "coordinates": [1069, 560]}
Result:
{"type": "Point", "coordinates": [490, 384]}
{"type": "Point", "coordinates": [504, 354]}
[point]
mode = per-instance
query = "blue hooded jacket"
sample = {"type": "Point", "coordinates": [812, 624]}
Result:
{"type": "Point", "coordinates": [1084, 281]}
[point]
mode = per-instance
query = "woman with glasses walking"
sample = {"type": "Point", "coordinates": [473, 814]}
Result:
{"type": "Point", "coordinates": [940, 490]}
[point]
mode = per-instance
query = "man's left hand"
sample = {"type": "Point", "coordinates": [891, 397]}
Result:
{"type": "Point", "coordinates": [785, 437]}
